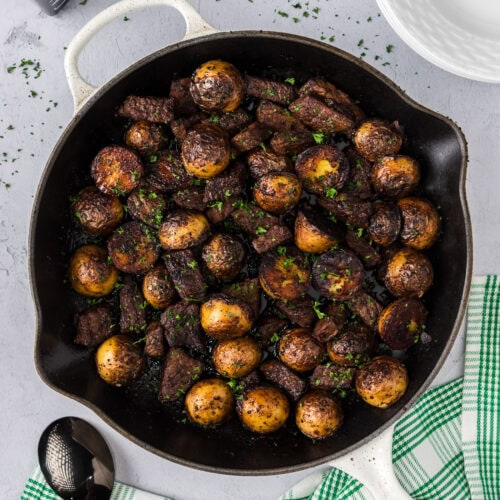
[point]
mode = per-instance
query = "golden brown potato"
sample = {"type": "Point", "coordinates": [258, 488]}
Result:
{"type": "Point", "coordinates": [283, 274]}
{"type": "Point", "coordinates": [322, 169]}
{"type": "Point", "coordinates": [337, 274]}
{"type": "Point", "coordinates": [420, 223]}
{"type": "Point", "coordinates": [263, 409]}
{"type": "Point", "coordinates": [352, 346]}
{"type": "Point", "coordinates": [376, 138]}
{"type": "Point", "coordinates": [225, 317]}
{"type": "Point", "coordinates": [119, 362]}
{"type": "Point", "coordinates": [146, 137]}
{"type": "Point", "coordinates": [183, 229]}
{"type": "Point", "coordinates": [408, 273]}
{"type": "Point", "coordinates": [224, 255]}
{"type": "Point", "coordinates": [147, 205]}
{"type": "Point", "coordinates": [90, 272]}
{"type": "Point", "coordinates": [209, 402]}
{"type": "Point", "coordinates": [318, 414]}
{"type": "Point", "coordinates": [97, 213]}
{"type": "Point", "coordinates": [314, 233]}
{"type": "Point", "coordinates": [217, 86]}
{"type": "Point", "coordinates": [299, 350]}
{"type": "Point", "coordinates": [382, 381]}
{"type": "Point", "coordinates": [157, 287]}
{"type": "Point", "coordinates": [401, 323]}
{"type": "Point", "coordinates": [385, 223]}
{"type": "Point", "coordinates": [133, 248]}
{"type": "Point", "coordinates": [277, 192]}
{"type": "Point", "coordinates": [395, 176]}
{"type": "Point", "coordinates": [205, 150]}
{"type": "Point", "coordinates": [116, 170]}
{"type": "Point", "coordinates": [235, 358]}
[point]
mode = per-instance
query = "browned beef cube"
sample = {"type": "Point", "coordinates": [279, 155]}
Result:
{"type": "Point", "coordinates": [181, 126]}
{"type": "Point", "coordinates": [300, 311]}
{"type": "Point", "coordinates": [349, 209]}
{"type": "Point", "coordinates": [331, 377]}
{"type": "Point", "coordinates": [263, 161]}
{"type": "Point", "coordinates": [278, 373]}
{"type": "Point", "coordinates": [154, 346]}
{"type": "Point", "coordinates": [233, 121]}
{"type": "Point", "coordinates": [250, 380]}
{"type": "Point", "coordinates": [168, 173]}
{"type": "Point", "coordinates": [330, 326]}
{"type": "Point", "coordinates": [180, 372]}
{"type": "Point", "coordinates": [314, 113]}
{"type": "Point", "coordinates": [251, 136]}
{"type": "Point", "coordinates": [93, 326]}
{"type": "Point", "coordinates": [230, 183]}
{"type": "Point", "coordinates": [248, 291]}
{"type": "Point", "coordinates": [132, 308]}
{"type": "Point", "coordinates": [360, 172]}
{"type": "Point", "coordinates": [275, 236]}
{"type": "Point", "coordinates": [187, 279]}
{"type": "Point", "coordinates": [191, 198]}
{"type": "Point", "coordinates": [183, 102]}
{"type": "Point", "coordinates": [151, 109]}
{"type": "Point", "coordinates": [219, 211]}
{"type": "Point", "coordinates": [252, 219]}
{"type": "Point", "coordinates": [269, 329]}
{"type": "Point", "coordinates": [291, 142]}
{"type": "Point", "coordinates": [181, 324]}
{"type": "Point", "coordinates": [360, 246]}
{"type": "Point", "coordinates": [366, 307]}
{"type": "Point", "coordinates": [282, 93]}
{"type": "Point", "coordinates": [275, 117]}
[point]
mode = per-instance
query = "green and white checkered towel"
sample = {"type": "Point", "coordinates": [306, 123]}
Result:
{"type": "Point", "coordinates": [446, 447]}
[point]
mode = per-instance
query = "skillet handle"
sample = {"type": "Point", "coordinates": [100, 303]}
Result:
{"type": "Point", "coordinates": [82, 90]}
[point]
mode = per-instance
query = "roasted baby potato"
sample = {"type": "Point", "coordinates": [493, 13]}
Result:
{"type": "Point", "coordinates": [97, 213]}
{"type": "Point", "coordinates": [395, 176]}
{"type": "Point", "coordinates": [277, 192]}
{"type": "Point", "coordinates": [382, 381]}
{"type": "Point", "coordinates": [314, 233]}
{"type": "Point", "coordinates": [375, 138]}
{"type": "Point", "coordinates": [167, 173]}
{"type": "Point", "coordinates": [119, 362]}
{"type": "Point", "coordinates": [116, 170]}
{"type": "Point", "coordinates": [283, 273]}
{"type": "Point", "coordinates": [90, 272]}
{"type": "Point", "coordinates": [337, 274]}
{"type": "Point", "coordinates": [322, 169]}
{"type": "Point", "coordinates": [224, 256]}
{"type": "Point", "coordinates": [263, 409]}
{"type": "Point", "coordinates": [217, 86]}
{"type": "Point", "coordinates": [157, 287]}
{"type": "Point", "coordinates": [235, 358]}
{"type": "Point", "coordinates": [299, 350]}
{"type": "Point", "coordinates": [209, 402]}
{"type": "Point", "coordinates": [205, 150]}
{"type": "Point", "coordinates": [225, 317]}
{"type": "Point", "coordinates": [147, 205]}
{"type": "Point", "coordinates": [133, 248]}
{"type": "Point", "coordinates": [145, 137]}
{"type": "Point", "coordinates": [401, 323]}
{"type": "Point", "coordinates": [183, 229]}
{"type": "Point", "coordinates": [318, 414]}
{"type": "Point", "coordinates": [420, 223]}
{"type": "Point", "coordinates": [408, 273]}
{"type": "Point", "coordinates": [385, 223]}
{"type": "Point", "coordinates": [352, 346]}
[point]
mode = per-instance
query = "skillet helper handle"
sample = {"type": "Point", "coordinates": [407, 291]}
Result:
{"type": "Point", "coordinates": [80, 89]}
{"type": "Point", "coordinates": [372, 465]}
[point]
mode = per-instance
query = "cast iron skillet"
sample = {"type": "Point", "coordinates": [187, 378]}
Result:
{"type": "Point", "coordinates": [433, 139]}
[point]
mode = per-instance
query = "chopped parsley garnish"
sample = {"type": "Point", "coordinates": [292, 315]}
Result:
{"type": "Point", "coordinates": [290, 80]}
{"type": "Point", "coordinates": [319, 314]}
{"type": "Point", "coordinates": [331, 193]}
{"type": "Point", "coordinates": [319, 137]}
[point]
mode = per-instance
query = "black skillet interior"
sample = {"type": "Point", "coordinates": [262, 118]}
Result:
{"type": "Point", "coordinates": [433, 140]}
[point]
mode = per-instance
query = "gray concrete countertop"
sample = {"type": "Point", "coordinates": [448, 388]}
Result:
{"type": "Point", "coordinates": [34, 107]}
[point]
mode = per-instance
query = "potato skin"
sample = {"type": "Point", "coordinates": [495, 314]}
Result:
{"type": "Point", "coordinates": [209, 402]}
{"type": "Point", "coordinates": [157, 287]}
{"type": "Point", "coordinates": [263, 409]}
{"type": "Point", "coordinates": [90, 273]}
{"type": "Point", "coordinates": [147, 205]}
{"type": "Point", "coordinates": [420, 227]}
{"type": "Point", "coordinates": [277, 192]}
{"type": "Point", "coordinates": [395, 176]}
{"type": "Point", "coordinates": [235, 358]}
{"type": "Point", "coordinates": [217, 86]}
{"type": "Point", "coordinates": [318, 414]}
{"type": "Point", "coordinates": [375, 138]}
{"type": "Point", "coordinates": [385, 223]}
{"type": "Point", "coordinates": [224, 256]}
{"type": "Point", "coordinates": [352, 346]}
{"type": "Point", "coordinates": [299, 350]}
{"type": "Point", "coordinates": [183, 229]}
{"type": "Point", "coordinates": [119, 362]}
{"type": "Point", "coordinates": [225, 317]}
{"type": "Point", "coordinates": [145, 137]}
{"type": "Point", "coordinates": [382, 381]}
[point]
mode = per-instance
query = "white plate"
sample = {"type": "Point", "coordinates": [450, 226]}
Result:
{"type": "Point", "coordinates": [460, 36]}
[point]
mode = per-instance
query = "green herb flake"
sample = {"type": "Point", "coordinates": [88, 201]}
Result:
{"type": "Point", "coordinates": [319, 314]}
{"type": "Point", "coordinates": [389, 48]}
{"type": "Point", "coordinates": [193, 264]}
{"type": "Point", "coordinates": [126, 18]}
{"type": "Point", "coordinates": [319, 137]}
{"type": "Point", "coordinates": [282, 14]}
{"type": "Point", "coordinates": [361, 42]}
{"type": "Point", "coordinates": [290, 80]}
{"type": "Point", "coordinates": [260, 230]}
{"type": "Point", "coordinates": [274, 337]}
{"type": "Point", "coordinates": [331, 193]}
